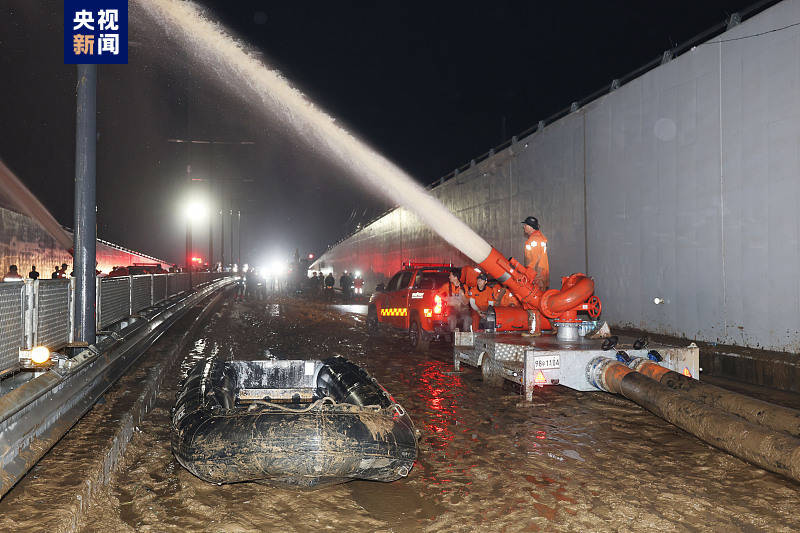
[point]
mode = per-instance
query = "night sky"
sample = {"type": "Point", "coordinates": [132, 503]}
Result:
{"type": "Point", "coordinates": [431, 85]}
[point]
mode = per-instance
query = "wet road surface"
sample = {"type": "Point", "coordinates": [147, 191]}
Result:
{"type": "Point", "coordinates": [568, 461]}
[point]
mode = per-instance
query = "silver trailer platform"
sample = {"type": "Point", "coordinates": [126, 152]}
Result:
{"type": "Point", "coordinates": [538, 361]}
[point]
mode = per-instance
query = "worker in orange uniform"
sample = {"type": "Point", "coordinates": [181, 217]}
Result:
{"type": "Point", "coordinates": [480, 298]}
{"type": "Point", "coordinates": [536, 253]}
{"type": "Point", "coordinates": [504, 297]}
{"type": "Point", "coordinates": [459, 316]}
{"type": "Point", "coordinates": [469, 276]}
{"type": "Point", "coordinates": [358, 285]}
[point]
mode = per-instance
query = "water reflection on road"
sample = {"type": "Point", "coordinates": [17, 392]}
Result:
{"type": "Point", "coordinates": [359, 309]}
{"type": "Point", "coordinates": [488, 461]}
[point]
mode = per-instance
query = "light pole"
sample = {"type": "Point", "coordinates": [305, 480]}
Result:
{"type": "Point", "coordinates": [211, 179]}
{"type": "Point", "coordinates": [232, 256]}
{"type": "Point", "coordinates": [222, 239]}
{"type": "Point", "coordinates": [239, 235]}
{"type": "Point", "coordinates": [85, 243]}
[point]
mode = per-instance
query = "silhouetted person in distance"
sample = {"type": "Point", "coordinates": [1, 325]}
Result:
{"type": "Point", "coordinates": [62, 272]}
{"type": "Point", "coordinates": [33, 274]}
{"type": "Point", "coordinates": [312, 284]}
{"type": "Point", "coordinates": [319, 282]}
{"type": "Point", "coordinates": [250, 283]}
{"type": "Point", "coordinates": [330, 281]}
{"type": "Point", "coordinates": [345, 282]}
{"type": "Point", "coordinates": [12, 274]}
{"type": "Point", "coordinates": [55, 272]}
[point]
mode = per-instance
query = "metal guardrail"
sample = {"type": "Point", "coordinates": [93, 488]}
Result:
{"type": "Point", "coordinates": [37, 413]}
{"type": "Point", "coordinates": [39, 313]}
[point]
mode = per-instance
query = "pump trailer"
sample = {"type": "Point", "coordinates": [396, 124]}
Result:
{"type": "Point", "coordinates": [544, 342]}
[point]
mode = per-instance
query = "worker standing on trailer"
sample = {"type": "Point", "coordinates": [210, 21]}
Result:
{"type": "Point", "coordinates": [536, 253]}
{"type": "Point", "coordinates": [480, 298]}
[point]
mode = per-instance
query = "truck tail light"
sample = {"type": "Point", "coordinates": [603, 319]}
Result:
{"type": "Point", "coordinates": [427, 313]}
{"type": "Point", "coordinates": [437, 307]}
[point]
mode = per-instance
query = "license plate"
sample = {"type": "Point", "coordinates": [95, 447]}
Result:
{"type": "Point", "coordinates": [544, 362]}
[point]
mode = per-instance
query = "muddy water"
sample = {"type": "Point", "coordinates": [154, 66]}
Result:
{"type": "Point", "coordinates": [569, 461]}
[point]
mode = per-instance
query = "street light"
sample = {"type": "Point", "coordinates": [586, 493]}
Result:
{"type": "Point", "coordinates": [278, 268]}
{"type": "Point", "coordinates": [211, 179]}
{"type": "Point", "coordinates": [194, 210]}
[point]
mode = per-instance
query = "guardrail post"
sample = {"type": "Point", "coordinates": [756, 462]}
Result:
{"type": "Point", "coordinates": [30, 310]}
{"type": "Point", "coordinates": [85, 245]}
{"type": "Point", "coordinates": [98, 300]}
{"type": "Point", "coordinates": [71, 299]}
{"type": "Point", "coordinates": [130, 295]}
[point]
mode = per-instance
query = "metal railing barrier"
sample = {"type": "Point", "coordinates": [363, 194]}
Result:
{"type": "Point", "coordinates": [40, 313]}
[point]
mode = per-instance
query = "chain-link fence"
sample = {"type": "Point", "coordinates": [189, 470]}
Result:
{"type": "Point", "coordinates": [39, 313]}
{"type": "Point", "coordinates": [114, 300]}
{"type": "Point", "coordinates": [141, 292]}
{"type": "Point", "coordinates": [52, 313]}
{"type": "Point", "coordinates": [177, 283]}
{"type": "Point", "coordinates": [159, 288]}
{"type": "Point", "coordinates": [12, 331]}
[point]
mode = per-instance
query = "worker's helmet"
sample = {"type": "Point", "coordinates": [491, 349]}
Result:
{"type": "Point", "coordinates": [483, 276]}
{"type": "Point", "coordinates": [532, 222]}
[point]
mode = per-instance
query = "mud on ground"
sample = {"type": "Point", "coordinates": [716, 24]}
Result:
{"type": "Point", "coordinates": [568, 461]}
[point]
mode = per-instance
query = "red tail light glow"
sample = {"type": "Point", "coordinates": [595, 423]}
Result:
{"type": "Point", "coordinates": [437, 307]}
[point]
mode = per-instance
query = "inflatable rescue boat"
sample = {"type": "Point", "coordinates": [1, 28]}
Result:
{"type": "Point", "coordinates": [290, 422]}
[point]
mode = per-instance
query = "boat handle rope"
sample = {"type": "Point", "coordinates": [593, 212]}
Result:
{"type": "Point", "coordinates": [321, 401]}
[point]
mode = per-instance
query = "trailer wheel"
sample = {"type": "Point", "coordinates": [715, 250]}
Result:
{"type": "Point", "coordinates": [492, 372]}
{"type": "Point", "coordinates": [417, 337]}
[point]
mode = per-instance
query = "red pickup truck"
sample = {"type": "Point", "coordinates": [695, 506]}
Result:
{"type": "Point", "coordinates": [414, 299]}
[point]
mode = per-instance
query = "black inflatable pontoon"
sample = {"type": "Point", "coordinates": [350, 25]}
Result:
{"type": "Point", "coordinates": [290, 422]}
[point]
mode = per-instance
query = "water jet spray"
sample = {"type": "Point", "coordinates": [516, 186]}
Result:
{"type": "Point", "coordinates": [212, 44]}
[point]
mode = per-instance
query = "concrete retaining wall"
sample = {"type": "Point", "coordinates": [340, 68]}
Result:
{"type": "Point", "coordinates": [682, 184]}
{"type": "Point", "coordinates": [24, 243]}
